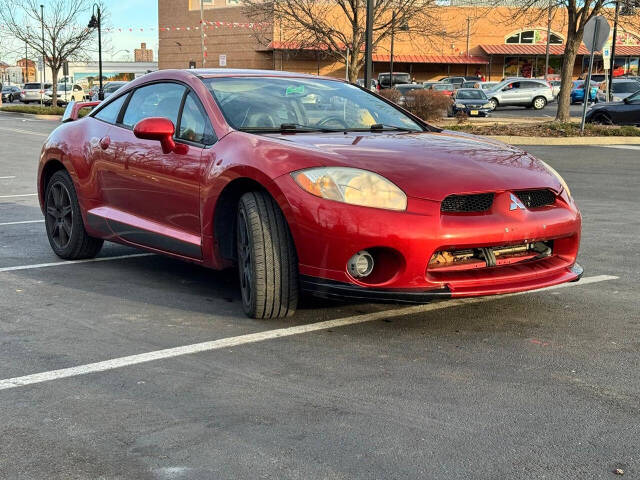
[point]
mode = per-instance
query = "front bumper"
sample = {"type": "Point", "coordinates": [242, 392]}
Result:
{"type": "Point", "coordinates": [327, 234]}
{"type": "Point", "coordinates": [473, 112]}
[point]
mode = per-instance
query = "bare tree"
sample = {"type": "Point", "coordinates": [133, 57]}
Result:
{"type": "Point", "coordinates": [337, 27]}
{"type": "Point", "coordinates": [578, 13]}
{"type": "Point", "coordinates": [65, 30]}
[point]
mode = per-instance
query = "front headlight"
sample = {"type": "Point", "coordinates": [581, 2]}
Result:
{"type": "Point", "coordinates": [553, 172]}
{"type": "Point", "coordinates": [487, 105]}
{"type": "Point", "coordinates": [617, 99]}
{"type": "Point", "coordinates": [460, 105]}
{"type": "Point", "coordinates": [351, 185]}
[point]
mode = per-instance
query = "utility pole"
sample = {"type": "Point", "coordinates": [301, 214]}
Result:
{"type": "Point", "coordinates": [546, 60]}
{"type": "Point", "coordinates": [368, 71]}
{"type": "Point", "coordinates": [466, 66]}
{"type": "Point", "coordinates": [613, 50]}
{"type": "Point", "coordinates": [44, 67]}
{"type": "Point", "coordinates": [393, 26]}
{"type": "Point", "coordinates": [204, 55]}
{"type": "Point", "coordinates": [26, 62]}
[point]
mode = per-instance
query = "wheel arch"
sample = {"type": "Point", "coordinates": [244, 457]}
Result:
{"type": "Point", "coordinates": [51, 166]}
{"type": "Point", "coordinates": [223, 226]}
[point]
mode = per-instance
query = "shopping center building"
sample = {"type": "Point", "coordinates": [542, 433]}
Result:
{"type": "Point", "coordinates": [499, 44]}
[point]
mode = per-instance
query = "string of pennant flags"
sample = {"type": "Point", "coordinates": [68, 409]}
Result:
{"type": "Point", "coordinates": [205, 25]}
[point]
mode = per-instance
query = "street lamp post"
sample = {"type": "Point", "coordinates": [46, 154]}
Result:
{"type": "Point", "coordinates": [368, 51]}
{"type": "Point", "coordinates": [44, 67]}
{"type": "Point", "coordinates": [95, 23]}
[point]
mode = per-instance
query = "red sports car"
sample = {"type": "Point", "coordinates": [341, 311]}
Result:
{"type": "Point", "coordinates": [306, 184]}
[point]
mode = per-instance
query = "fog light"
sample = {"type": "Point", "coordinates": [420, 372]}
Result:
{"type": "Point", "coordinates": [361, 264]}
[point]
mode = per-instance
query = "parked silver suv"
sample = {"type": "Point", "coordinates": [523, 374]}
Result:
{"type": "Point", "coordinates": [525, 92]}
{"type": "Point", "coordinates": [33, 92]}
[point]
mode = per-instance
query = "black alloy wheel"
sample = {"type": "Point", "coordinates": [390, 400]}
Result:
{"type": "Point", "coordinates": [63, 220]}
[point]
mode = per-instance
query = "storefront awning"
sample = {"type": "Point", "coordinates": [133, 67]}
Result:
{"type": "Point", "coordinates": [444, 59]}
{"type": "Point", "coordinates": [511, 49]}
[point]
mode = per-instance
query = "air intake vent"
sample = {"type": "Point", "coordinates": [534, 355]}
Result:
{"type": "Point", "coordinates": [536, 198]}
{"type": "Point", "coordinates": [480, 202]}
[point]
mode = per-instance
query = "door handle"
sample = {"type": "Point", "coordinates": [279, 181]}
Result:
{"type": "Point", "coordinates": [105, 142]}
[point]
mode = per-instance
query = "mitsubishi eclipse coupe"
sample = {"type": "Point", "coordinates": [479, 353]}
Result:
{"type": "Point", "coordinates": [304, 184]}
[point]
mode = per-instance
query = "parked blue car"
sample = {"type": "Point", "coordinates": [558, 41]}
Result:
{"type": "Point", "coordinates": [577, 92]}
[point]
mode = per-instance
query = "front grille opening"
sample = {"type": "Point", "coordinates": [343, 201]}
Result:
{"type": "Point", "coordinates": [536, 198]}
{"type": "Point", "coordinates": [479, 202]}
{"type": "Point", "coordinates": [483, 257]}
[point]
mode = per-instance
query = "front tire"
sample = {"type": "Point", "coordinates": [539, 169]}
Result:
{"type": "Point", "coordinates": [63, 220]}
{"type": "Point", "coordinates": [539, 103]}
{"type": "Point", "coordinates": [494, 103]}
{"type": "Point", "coordinates": [267, 261]}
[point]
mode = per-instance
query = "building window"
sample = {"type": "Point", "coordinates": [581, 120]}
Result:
{"type": "Point", "coordinates": [534, 37]}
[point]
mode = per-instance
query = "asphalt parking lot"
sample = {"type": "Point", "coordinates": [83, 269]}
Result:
{"type": "Point", "coordinates": [538, 385]}
{"type": "Point", "coordinates": [548, 112]}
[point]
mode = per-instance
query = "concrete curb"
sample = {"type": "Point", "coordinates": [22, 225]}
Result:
{"type": "Point", "coordinates": [555, 141]}
{"type": "Point", "coordinates": [32, 115]}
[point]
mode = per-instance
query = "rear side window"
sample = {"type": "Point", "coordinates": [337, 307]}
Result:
{"type": "Point", "coordinates": [109, 113]}
{"type": "Point", "coordinates": [194, 123]}
{"type": "Point", "coordinates": [156, 100]}
{"type": "Point", "coordinates": [31, 86]}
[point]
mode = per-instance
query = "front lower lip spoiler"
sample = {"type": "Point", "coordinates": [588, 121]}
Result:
{"type": "Point", "coordinates": [324, 288]}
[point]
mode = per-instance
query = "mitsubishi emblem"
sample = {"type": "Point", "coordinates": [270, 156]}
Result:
{"type": "Point", "coordinates": [515, 203]}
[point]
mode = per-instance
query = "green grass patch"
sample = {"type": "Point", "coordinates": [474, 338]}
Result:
{"type": "Point", "coordinates": [33, 110]}
{"type": "Point", "coordinates": [548, 129]}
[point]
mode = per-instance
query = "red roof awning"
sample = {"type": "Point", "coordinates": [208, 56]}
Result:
{"type": "Point", "coordinates": [513, 49]}
{"type": "Point", "coordinates": [446, 59]}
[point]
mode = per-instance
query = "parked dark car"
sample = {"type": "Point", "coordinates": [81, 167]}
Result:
{"type": "Point", "coordinates": [406, 90]}
{"type": "Point", "coordinates": [10, 93]}
{"type": "Point", "coordinates": [458, 82]}
{"type": "Point", "coordinates": [626, 112]}
{"type": "Point", "coordinates": [384, 79]}
{"type": "Point", "coordinates": [473, 102]}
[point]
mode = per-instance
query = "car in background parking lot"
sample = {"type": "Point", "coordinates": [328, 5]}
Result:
{"type": "Point", "coordinates": [525, 92]}
{"type": "Point", "coordinates": [577, 92]}
{"type": "Point", "coordinates": [621, 88]}
{"type": "Point", "coordinates": [373, 86]}
{"type": "Point", "coordinates": [444, 88]}
{"type": "Point", "coordinates": [399, 78]}
{"type": "Point", "coordinates": [472, 102]}
{"type": "Point", "coordinates": [33, 92]}
{"type": "Point", "coordinates": [406, 90]}
{"type": "Point", "coordinates": [10, 93]}
{"type": "Point", "coordinates": [458, 82]}
{"type": "Point", "coordinates": [485, 85]}
{"type": "Point", "coordinates": [66, 92]}
{"type": "Point", "coordinates": [626, 112]}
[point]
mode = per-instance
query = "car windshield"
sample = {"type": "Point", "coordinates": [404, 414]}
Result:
{"type": "Point", "coordinates": [625, 87]}
{"type": "Point", "coordinates": [471, 95]}
{"type": "Point", "coordinates": [303, 104]}
{"type": "Point", "coordinates": [407, 88]}
{"type": "Point", "coordinates": [64, 87]}
{"type": "Point", "coordinates": [635, 97]}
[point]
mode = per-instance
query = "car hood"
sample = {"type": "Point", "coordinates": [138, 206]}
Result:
{"type": "Point", "coordinates": [473, 101]}
{"type": "Point", "coordinates": [429, 165]}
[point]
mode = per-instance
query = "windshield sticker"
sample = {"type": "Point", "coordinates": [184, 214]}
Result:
{"type": "Point", "coordinates": [294, 90]}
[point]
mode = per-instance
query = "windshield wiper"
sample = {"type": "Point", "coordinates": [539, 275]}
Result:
{"type": "Point", "coordinates": [376, 127]}
{"type": "Point", "coordinates": [289, 128]}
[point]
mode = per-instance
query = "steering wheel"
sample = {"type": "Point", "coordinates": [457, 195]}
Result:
{"type": "Point", "coordinates": [334, 118]}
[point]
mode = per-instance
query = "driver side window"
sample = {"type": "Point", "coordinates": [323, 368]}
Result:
{"type": "Point", "coordinates": [156, 100]}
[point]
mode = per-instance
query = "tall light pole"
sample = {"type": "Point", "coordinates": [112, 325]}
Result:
{"type": "Point", "coordinates": [44, 67]}
{"type": "Point", "coordinates": [466, 66]}
{"type": "Point", "coordinates": [96, 23]}
{"type": "Point", "coordinates": [546, 59]}
{"type": "Point", "coordinates": [393, 31]}
{"type": "Point", "coordinates": [613, 50]}
{"type": "Point", "coordinates": [204, 55]}
{"type": "Point", "coordinates": [368, 51]}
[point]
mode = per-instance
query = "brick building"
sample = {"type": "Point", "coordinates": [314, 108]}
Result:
{"type": "Point", "coordinates": [143, 54]}
{"type": "Point", "coordinates": [498, 45]}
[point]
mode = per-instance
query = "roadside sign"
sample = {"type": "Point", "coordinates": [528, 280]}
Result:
{"type": "Point", "coordinates": [606, 55]}
{"type": "Point", "coordinates": [596, 33]}
{"type": "Point", "coordinates": [222, 60]}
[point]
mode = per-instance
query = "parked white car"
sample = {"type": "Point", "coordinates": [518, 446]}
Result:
{"type": "Point", "coordinates": [66, 93]}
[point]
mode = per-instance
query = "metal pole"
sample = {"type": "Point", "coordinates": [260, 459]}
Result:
{"type": "Point", "coordinates": [587, 83]}
{"type": "Point", "coordinates": [204, 57]}
{"type": "Point", "coordinates": [44, 67]}
{"type": "Point", "coordinates": [466, 66]}
{"type": "Point", "coordinates": [546, 60]}
{"type": "Point", "coordinates": [346, 72]}
{"type": "Point", "coordinates": [393, 24]}
{"type": "Point", "coordinates": [101, 90]}
{"type": "Point", "coordinates": [368, 71]}
{"type": "Point", "coordinates": [26, 62]}
{"type": "Point", "coordinates": [613, 51]}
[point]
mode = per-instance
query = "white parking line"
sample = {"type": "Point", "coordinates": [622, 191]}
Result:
{"type": "Point", "coordinates": [262, 336]}
{"type": "Point", "coordinates": [8, 177]}
{"type": "Point", "coordinates": [623, 147]}
{"type": "Point", "coordinates": [72, 262]}
{"type": "Point", "coordinates": [21, 222]}
{"type": "Point", "coordinates": [28, 132]}
{"type": "Point", "coordinates": [20, 195]}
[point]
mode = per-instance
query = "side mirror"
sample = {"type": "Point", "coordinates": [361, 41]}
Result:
{"type": "Point", "coordinates": [626, 100]}
{"type": "Point", "coordinates": [157, 128]}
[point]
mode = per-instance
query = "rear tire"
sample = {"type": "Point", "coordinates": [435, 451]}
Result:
{"type": "Point", "coordinates": [63, 220]}
{"type": "Point", "coordinates": [494, 103]}
{"type": "Point", "coordinates": [539, 103]}
{"type": "Point", "coordinates": [267, 261]}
